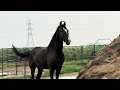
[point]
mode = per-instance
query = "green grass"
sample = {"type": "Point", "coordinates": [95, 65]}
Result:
{"type": "Point", "coordinates": [68, 67]}
{"type": "Point", "coordinates": [72, 66]}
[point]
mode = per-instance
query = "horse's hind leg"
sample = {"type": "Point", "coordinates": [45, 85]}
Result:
{"type": "Point", "coordinates": [32, 67]}
{"type": "Point", "coordinates": [39, 73]}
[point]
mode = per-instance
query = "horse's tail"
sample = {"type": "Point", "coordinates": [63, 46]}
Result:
{"type": "Point", "coordinates": [22, 55]}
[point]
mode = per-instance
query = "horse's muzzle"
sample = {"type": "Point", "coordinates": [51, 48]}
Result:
{"type": "Point", "coordinates": [68, 41]}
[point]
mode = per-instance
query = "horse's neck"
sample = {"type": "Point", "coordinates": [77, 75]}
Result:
{"type": "Point", "coordinates": [56, 43]}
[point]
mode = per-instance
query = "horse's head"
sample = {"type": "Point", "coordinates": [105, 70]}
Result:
{"type": "Point", "coordinates": [64, 33]}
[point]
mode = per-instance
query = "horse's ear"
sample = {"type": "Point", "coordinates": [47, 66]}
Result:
{"type": "Point", "coordinates": [63, 23]}
{"type": "Point", "coordinates": [60, 23]}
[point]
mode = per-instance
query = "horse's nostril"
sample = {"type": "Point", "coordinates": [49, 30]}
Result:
{"type": "Point", "coordinates": [68, 42]}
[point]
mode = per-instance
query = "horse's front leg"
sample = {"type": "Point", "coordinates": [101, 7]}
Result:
{"type": "Point", "coordinates": [58, 69]}
{"type": "Point", "coordinates": [52, 73]}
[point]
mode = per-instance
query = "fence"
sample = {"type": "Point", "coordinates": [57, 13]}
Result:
{"type": "Point", "coordinates": [86, 52]}
{"type": "Point", "coordinates": [12, 65]}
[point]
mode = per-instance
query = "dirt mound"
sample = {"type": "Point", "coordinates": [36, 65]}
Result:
{"type": "Point", "coordinates": [106, 64]}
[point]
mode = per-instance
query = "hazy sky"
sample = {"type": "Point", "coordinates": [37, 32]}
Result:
{"type": "Point", "coordinates": [85, 27]}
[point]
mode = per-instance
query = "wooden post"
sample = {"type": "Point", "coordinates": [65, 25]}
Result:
{"type": "Point", "coordinates": [2, 63]}
{"type": "Point", "coordinates": [25, 66]}
{"type": "Point", "coordinates": [16, 64]}
{"type": "Point", "coordinates": [94, 51]}
{"type": "Point", "coordinates": [82, 53]}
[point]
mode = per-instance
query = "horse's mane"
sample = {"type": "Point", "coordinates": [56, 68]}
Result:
{"type": "Point", "coordinates": [54, 37]}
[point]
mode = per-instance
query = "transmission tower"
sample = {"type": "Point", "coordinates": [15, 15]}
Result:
{"type": "Point", "coordinates": [30, 41]}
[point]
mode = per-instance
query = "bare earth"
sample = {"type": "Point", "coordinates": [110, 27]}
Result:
{"type": "Point", "coordinates": [62, 76]}
{"type": "Point", "coordinates": [66, 76]}
{"type": "Point", "coordinates": [106, 65]}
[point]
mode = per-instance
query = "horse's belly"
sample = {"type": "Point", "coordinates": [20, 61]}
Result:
{"type": "Point", "coordinates": [41, 63]}
{"type": "Point", "coordinates": [40, 59]}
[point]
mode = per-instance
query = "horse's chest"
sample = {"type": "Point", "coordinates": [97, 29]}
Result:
{"type": "Point", "coordinates": [54, 58]}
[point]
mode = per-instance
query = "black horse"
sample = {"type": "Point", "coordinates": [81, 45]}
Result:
{"type": "Point", "coordinates": [51, 57]}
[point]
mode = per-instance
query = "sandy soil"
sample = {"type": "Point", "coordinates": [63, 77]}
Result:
{"type": "Point", "coordinates": [106, 64]}
{"type": "Point", "coordinates": [62, 76]}
{"type": "Point", "coordinates": [66, 76]}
